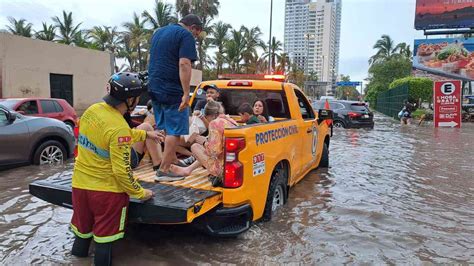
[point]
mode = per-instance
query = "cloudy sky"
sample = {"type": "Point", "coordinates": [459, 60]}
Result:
{"type": "Point", "coordinates": [363, 21]}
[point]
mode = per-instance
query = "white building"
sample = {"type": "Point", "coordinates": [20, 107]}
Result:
{"type": "Point", "coordinates": [312, 34]}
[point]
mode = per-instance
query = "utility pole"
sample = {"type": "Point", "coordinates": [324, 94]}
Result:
{"type": "Point", "coordinates": [270, 52]}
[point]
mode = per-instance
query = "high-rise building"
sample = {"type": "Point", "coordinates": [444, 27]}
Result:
{"type": "Point", "coordinates": [312, 34]}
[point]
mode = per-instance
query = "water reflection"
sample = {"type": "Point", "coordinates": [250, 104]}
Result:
{"type": "Point", "coordinates": [395, 194]}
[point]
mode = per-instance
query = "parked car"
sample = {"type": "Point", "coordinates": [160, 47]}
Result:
{"type": "Point", "coordinates": [37, 140]}
{"type": "Point", "coordinates": [468, 104]}
{"type": "Point", "coordinates": [43, 107]}
{"type": "Point", "coordinates": [349, 114]}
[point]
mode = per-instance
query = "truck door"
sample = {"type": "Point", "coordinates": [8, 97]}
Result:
{"type": "Point", "coordinates": [308, 132]}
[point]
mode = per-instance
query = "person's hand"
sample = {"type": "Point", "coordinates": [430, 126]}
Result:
{"type": "Point", "coordinates": [196, 113]}
{"type": "Point", "coordinates": [209, 99]}
{"type": "Point", "coordinates": [184, 103]}
{"type": "Point", "coordinates": [262, 118]}
{"type": "Point", "coordinates": [157, 136]}
{"type": "Point", "coordinates": [148, 195]}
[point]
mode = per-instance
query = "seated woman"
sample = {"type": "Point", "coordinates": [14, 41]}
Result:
{"type": "Point", "coordinates": [209, 151]}
{"type": "Point", "coordinates": [260, 113]}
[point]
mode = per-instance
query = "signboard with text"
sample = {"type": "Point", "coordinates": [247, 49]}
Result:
{"type": "Point", "coordinates": [348, 83]}
{"type": "Point", "coordinates": [447, 103]}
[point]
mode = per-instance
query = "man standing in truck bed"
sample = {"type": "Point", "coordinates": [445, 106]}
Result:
{"type": "Point", "coordinates": [173, 49]}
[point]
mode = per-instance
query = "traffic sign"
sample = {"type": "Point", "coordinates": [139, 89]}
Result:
{"type": "Point", "coordinates": [348, 83]}
{"type": "Point", "coordinates": [447, 103]}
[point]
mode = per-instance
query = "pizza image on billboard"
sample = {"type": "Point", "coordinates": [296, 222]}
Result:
{"type": "Point", "coordinates": [453, 58]}
{"type": "Point", "coordinates": [444, 14]}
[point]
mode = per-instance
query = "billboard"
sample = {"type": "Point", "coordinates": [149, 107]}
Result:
{"type": "Point", "coordinates": [451, 58]}
{"type": "Point", "coordinates": [444, 14]}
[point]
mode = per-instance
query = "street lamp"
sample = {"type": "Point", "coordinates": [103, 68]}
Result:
{"type": "Point", "coordinates": [270, 41]}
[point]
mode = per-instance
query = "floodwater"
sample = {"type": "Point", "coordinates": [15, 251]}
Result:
{"type": "Point", "coordinates": [394, 194]}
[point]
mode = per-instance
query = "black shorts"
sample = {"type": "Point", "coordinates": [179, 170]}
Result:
{"type": "Point", "coordinates": [135, 159]}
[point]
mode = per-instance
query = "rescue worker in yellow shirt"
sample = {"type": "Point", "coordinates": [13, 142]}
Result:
{"type": "Point", "coordinates": [102, 180]}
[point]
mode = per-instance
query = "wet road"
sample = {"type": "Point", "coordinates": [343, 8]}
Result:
{"type": "Point", "coordinates": [392, 195]}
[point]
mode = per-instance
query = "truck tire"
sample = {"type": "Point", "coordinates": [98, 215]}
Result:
{"type": "Point", "coordinates": [50, 151]}
{"type": "Point", "coordinates": [277, 192]}
{"type": "Point", "coordinates": [324, 157]}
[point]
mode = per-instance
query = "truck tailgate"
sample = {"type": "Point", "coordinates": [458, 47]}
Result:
{"type": "Point", "coordinates": [177, 202]}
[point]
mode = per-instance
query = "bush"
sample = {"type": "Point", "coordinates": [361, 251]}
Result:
{"type": "Point", "coordinates": [418, 88]}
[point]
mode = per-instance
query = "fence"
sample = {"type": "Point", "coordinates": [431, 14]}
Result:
{"type": "Point", "coordinates": [391, 102]}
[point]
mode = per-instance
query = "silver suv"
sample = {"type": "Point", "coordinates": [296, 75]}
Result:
{"type": "Point", "coordinates": [37, 140]}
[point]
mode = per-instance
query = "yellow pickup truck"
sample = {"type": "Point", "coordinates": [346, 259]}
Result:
{"type": "Point", "coordinates": [262, 162]}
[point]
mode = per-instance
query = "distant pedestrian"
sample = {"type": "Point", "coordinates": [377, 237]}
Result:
{"type": "Point", "coordinates": [173, 49]}
{"type": "Point", "coordinates": [405, 113]}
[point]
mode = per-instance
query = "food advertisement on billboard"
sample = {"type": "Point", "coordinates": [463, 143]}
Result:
{"type": "Point", "coordinates": [444, 14]}
{"type": "Point", "coordinates": [453, 58]}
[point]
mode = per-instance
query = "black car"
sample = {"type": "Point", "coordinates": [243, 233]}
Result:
{"type": "Point", "coordinates": [349, 114]}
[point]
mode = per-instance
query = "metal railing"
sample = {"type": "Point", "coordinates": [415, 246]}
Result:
{"type": "Point", "coordinates": [392, 101]}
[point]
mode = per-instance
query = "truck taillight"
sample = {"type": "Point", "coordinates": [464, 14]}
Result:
{"type": "Point", "coordinates": [233, 169]}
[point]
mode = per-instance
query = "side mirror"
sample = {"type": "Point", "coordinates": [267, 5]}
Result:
{"type": "Point", "coordinates": [324, 114]}
{"type": "Point", "coordinates": [9, 115]}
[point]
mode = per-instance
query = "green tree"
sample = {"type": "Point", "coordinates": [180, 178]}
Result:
{"type": "Point", "coordinates": [233, 51]}
{"type": "Point", "coordinates": [273, 52]}
{"type": "Point", "coordinates": [100, 37]}
{"type": "Point", "coordinates": [253, 41]}
{"type": "Point", "coordinates": [48, 33]}
{"type": "Point", "coordinates": [382, 73]}
{"type": "Point", "coordinates": [219, 36]}
{"type": "Point", "coordinates": [206, 10]}
{"type": "Point", "coordinates": [19, 27]}
{"type": "Point", "coordinates": [162, 15]}
{"type": "Point", "coordinates": [138, 40]}
{"type": "Point", "coordinates": [296, 75]}
{"type": "Point", "coordinates": [386, 48]}
{"type": "Point", "coordinates": [403, 50]}
{"type": "Point", "coordinates": [67, 30]}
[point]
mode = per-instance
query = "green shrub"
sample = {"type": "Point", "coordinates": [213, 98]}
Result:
{"type": "Point", "coordinates": [419, 88]}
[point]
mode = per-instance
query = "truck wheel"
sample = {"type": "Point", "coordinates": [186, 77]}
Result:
{"type": "Point", "coordinates": [324, 157]}
{"type": "Point", "coordinates": [277, 193]}
{"type": "Point", "coordinates": [49, 152]}
{"type": "Point", "coordinates": [339, 124]}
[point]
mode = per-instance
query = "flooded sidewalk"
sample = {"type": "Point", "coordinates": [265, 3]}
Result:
{"type": "Point", "coordinates": [394, 194]}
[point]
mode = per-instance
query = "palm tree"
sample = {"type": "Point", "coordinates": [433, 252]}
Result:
{"type": "Point", "coordinates": [126, 51]}
{"type": "Point", "coordinates": [139, 36]}
{"type": "Point", "coordinates": [234, 49]}
{"type": "Point", "coordinates": [386, 49]}
{"type": "Point", "coordinates": [252, 41]}
{"type": "Point", "coordinates": [67, 30]}
{"type": "Point", "coordinates": [100, 37]}
{"type": "Point", "coordinates": [48, 33]}
{"type": "Point", "coordinates": [274, 48]}
{"type": "Point", "coordinates": [206, 10]}
{"type": "Point", "coordinates": [283, 63]}
{"type": "Point", "coordinates": [219, 37]}
{"type": "Point", "coordinates": [19, 27]}
{"type": "Point", "coordinates": [80, 39]}
{"type": "Point", "coordinates": [404, 50]}
{"type": "Point", "coordinates": [162, 15]}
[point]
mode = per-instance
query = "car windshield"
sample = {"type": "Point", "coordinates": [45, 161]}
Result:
{"type": "Point", "coordinates": [9, 103]}
{"type": "Point", "coordinates": [359, 107]}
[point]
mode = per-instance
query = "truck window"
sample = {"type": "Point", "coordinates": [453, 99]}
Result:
{"type": "Point", "coordinates": [305, 107]}
{"type": "Point", "coordinates": [276, 101]}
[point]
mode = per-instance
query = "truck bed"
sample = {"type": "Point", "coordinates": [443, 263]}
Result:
{"type": "Point", "coordinates": [174, 202]}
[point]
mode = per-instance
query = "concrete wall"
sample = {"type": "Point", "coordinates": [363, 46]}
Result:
{"type": "Point", "coordinates": [25, 66]}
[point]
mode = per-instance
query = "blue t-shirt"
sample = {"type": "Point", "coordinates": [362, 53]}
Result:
{"type": "Point", "coordinates": [168, 45]}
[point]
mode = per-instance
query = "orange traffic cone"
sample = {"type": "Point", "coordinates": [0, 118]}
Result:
{"type": "Point", "coordinates": [327, 107]}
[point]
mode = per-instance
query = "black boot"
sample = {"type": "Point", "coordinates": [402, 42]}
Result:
{"type": "Point", "coordinates": [103, 254]}
{"type": "Point", "coordinates": [80, 248]}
